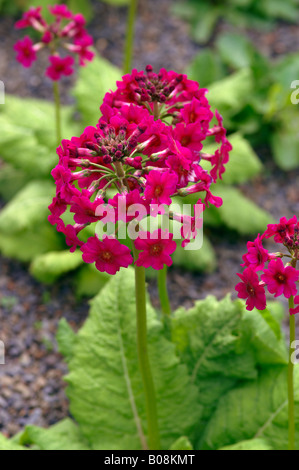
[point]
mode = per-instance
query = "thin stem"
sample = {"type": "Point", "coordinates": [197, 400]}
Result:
{"type": "Point", "coordinates": [291, 402]}
{"type": "Point", "coordinates": [163, 292]}
{"type": "Point", "coordinates": [129, 45]}
{"type": "Point", "coordinates": [144, 364]}
{"type": "Point", "coordinates": [57, 111]}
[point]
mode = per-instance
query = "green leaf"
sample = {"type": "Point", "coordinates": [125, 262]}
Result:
{"type": "Point", "coordinates": [64, 435]}
{"type": "Point", "coordinates": [209, 339]}
{"type": "Point", "coordinates": [251, 444]}
{"type": "Point", "coordinates": [117, 2]}
{"type": "Point", "coordinates": [243, 164]}
{"type": "Point", "coordinates": [206, 68]}
{"type": "Point", "coordinates": [203, 259]}
{"type": "Point", "coordinates": [27, 244]}
{"type": "Point", "coordinates": [28, 209]}
{"type": "Point", "coordinates": [237, 212]}
{"type": "Point", "coordinates": [182, 443]}
{"type": "Point", "coordinates": [66, 339]}
{"type": "Point", "coordinates": [235, 50]}
{"type": "Point", "coordinates": [89, 281]}
{"type": "Point", "coordinates": [105, 388]}
{"type": "Point", "coordinates": [50, 266]}
{"type": "Point", "coordinates": [92, 84]}
{"type": "Point", "coordinates": [7, 444]}
{"type": "Point", "coordinates": [230, 94]}
{"type": "Point", "coordinates": [234, 419]}
{"type": "Point", "coordinates": [264, 337]}
{"type": "Point", "coordinates": [11, 181]}
{"type": "Point", "coordinates": [285, 148]}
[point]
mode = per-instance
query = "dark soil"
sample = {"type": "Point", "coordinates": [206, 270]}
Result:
{"type": "Point", "coordinates": [32, 388]}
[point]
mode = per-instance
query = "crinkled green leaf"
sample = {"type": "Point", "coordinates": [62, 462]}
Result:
{"type": "Point", "coordinates": [237, 212]}
{"type": "Point", "coordinates": [105, 388]}
{"type": "Point", "coordinates": [28, 209]}
{"type": "Point", "coordinates": [64, 435]}
{"type": "Point", "coordinates": [66, 339]}
{"type": "Point", "coordinates": [27, 244]}
{"type": "Point", "coordinates": [89, 281]}
{"type": "Point", "coordinates": [7, 444]}
{"type": "Point", "coordinates": [251, 444]}
{"type": "Point", "coordinates": [256, 410]}
{"type": "Point", "coordinates": [182, 443]}
{"type": "Point", "coordinates": [209, 339]}
{"type": "Point", "coordinates": [50, 266]}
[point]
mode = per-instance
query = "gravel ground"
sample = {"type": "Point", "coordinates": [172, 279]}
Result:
{"type": "Point", "coordinates": [31, 380]}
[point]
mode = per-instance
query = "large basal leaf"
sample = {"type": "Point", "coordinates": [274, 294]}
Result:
{"type": "Point", "coordinates": [209, 340]}
{"type": "Point", "coordinates": [235, 50]}
{"type": "Point", "coordinates": [28, 209]}
{"type": "Point", "coordinates": [206, 68]}
{"type": "Point", "coordinates": [237, 212]}
{"type": "Point", "coordinates": [64, 435]}
{"type": "Point", "coordinates": [257, 410]}
{"type": "Point", "coordinates": [93, 82]}
{"type": "Point", "coordinates": [50, 266]}
{"type": "Point", "coordinates": [251, 444]}
{"type": "Point", "coordinates": [89, 281]}
{"type": "Point", "coordinates": [105, 388]}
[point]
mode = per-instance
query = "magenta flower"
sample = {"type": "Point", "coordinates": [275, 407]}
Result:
{"type": "Point", "coordinates": [109, 254]}
{"type": "Point", "coordinates": [65, 31]}
{"type": "Point", "coordinates": [251, 290]}
{"type": "Point", "coordinates": [144, 159]}
{"type": "Point", "coordinates": [257, 255]}
{"type": "Point", "coordinates": [155, 249]}
{"type": "Point", "coordinates": [59, 67]}
{"type": "Point", "coordinates": [295, 310]}
{"type": "Point", "coordinates": [281, 231]}
{"type": "Point", "coordinates": [26, 54]}
{"type": "Point", "coordinates": [280, 280]}
{"type": "Point", "coordinates": [160, 186]}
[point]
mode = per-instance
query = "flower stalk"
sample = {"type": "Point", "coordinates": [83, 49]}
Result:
{"type": "Point", "coordinates": [57, 111]}
{"type": "Point", "coordinates": [144, 363]}
{"type": "Point", "coordinates": [163, 292]}
{"type": "Point", "coordinates": [129, 44]}
{"type": "Point", "coordinates": [291, 401]}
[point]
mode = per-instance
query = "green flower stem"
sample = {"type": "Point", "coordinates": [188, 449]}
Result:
{"type": "Point", "coordinates": [57, 111]}
{"type": "Point", "coordinates": [144, 364]}
{"type": "Point", "coordinates": [291, 403]}
{"type": "Point", "coordinates": [129, 44]}
{"type": "Point", "coordinates": [163, 292]}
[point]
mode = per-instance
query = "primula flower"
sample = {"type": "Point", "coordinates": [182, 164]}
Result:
{"type": "Point", "coordinates": [66, 31]}
{"type": "Point", "coordinates": [155, 249]}
{"type": "Point", "coordinates": [280, 280]}
{"type": "Point", "coordinates": [143, 158]}
{"type": "Point", "coordinates": [251, 290]}
{"type": "Point", "coordinates": [295, 310]}
{"type": "Point", "coordinates": [257, 255]}
{"type": "Point", "coordinates": [26, 53]}
{"type": "Point", "coordinates": [160, 186]}
{"type": "Point", "coordinates": [59, 67]}
{"type": "Point", "coordinates": [280, 231]}
{"type": "Point", "coordinates": [109, 254]}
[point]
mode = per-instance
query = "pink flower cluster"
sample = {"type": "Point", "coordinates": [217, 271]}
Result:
{"type": "Point", "coordinates": [147, 147]}
{"type": "Point", "coordinates": [66, 31]}
{"type": "Point", "coordinates": [278, 278]}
